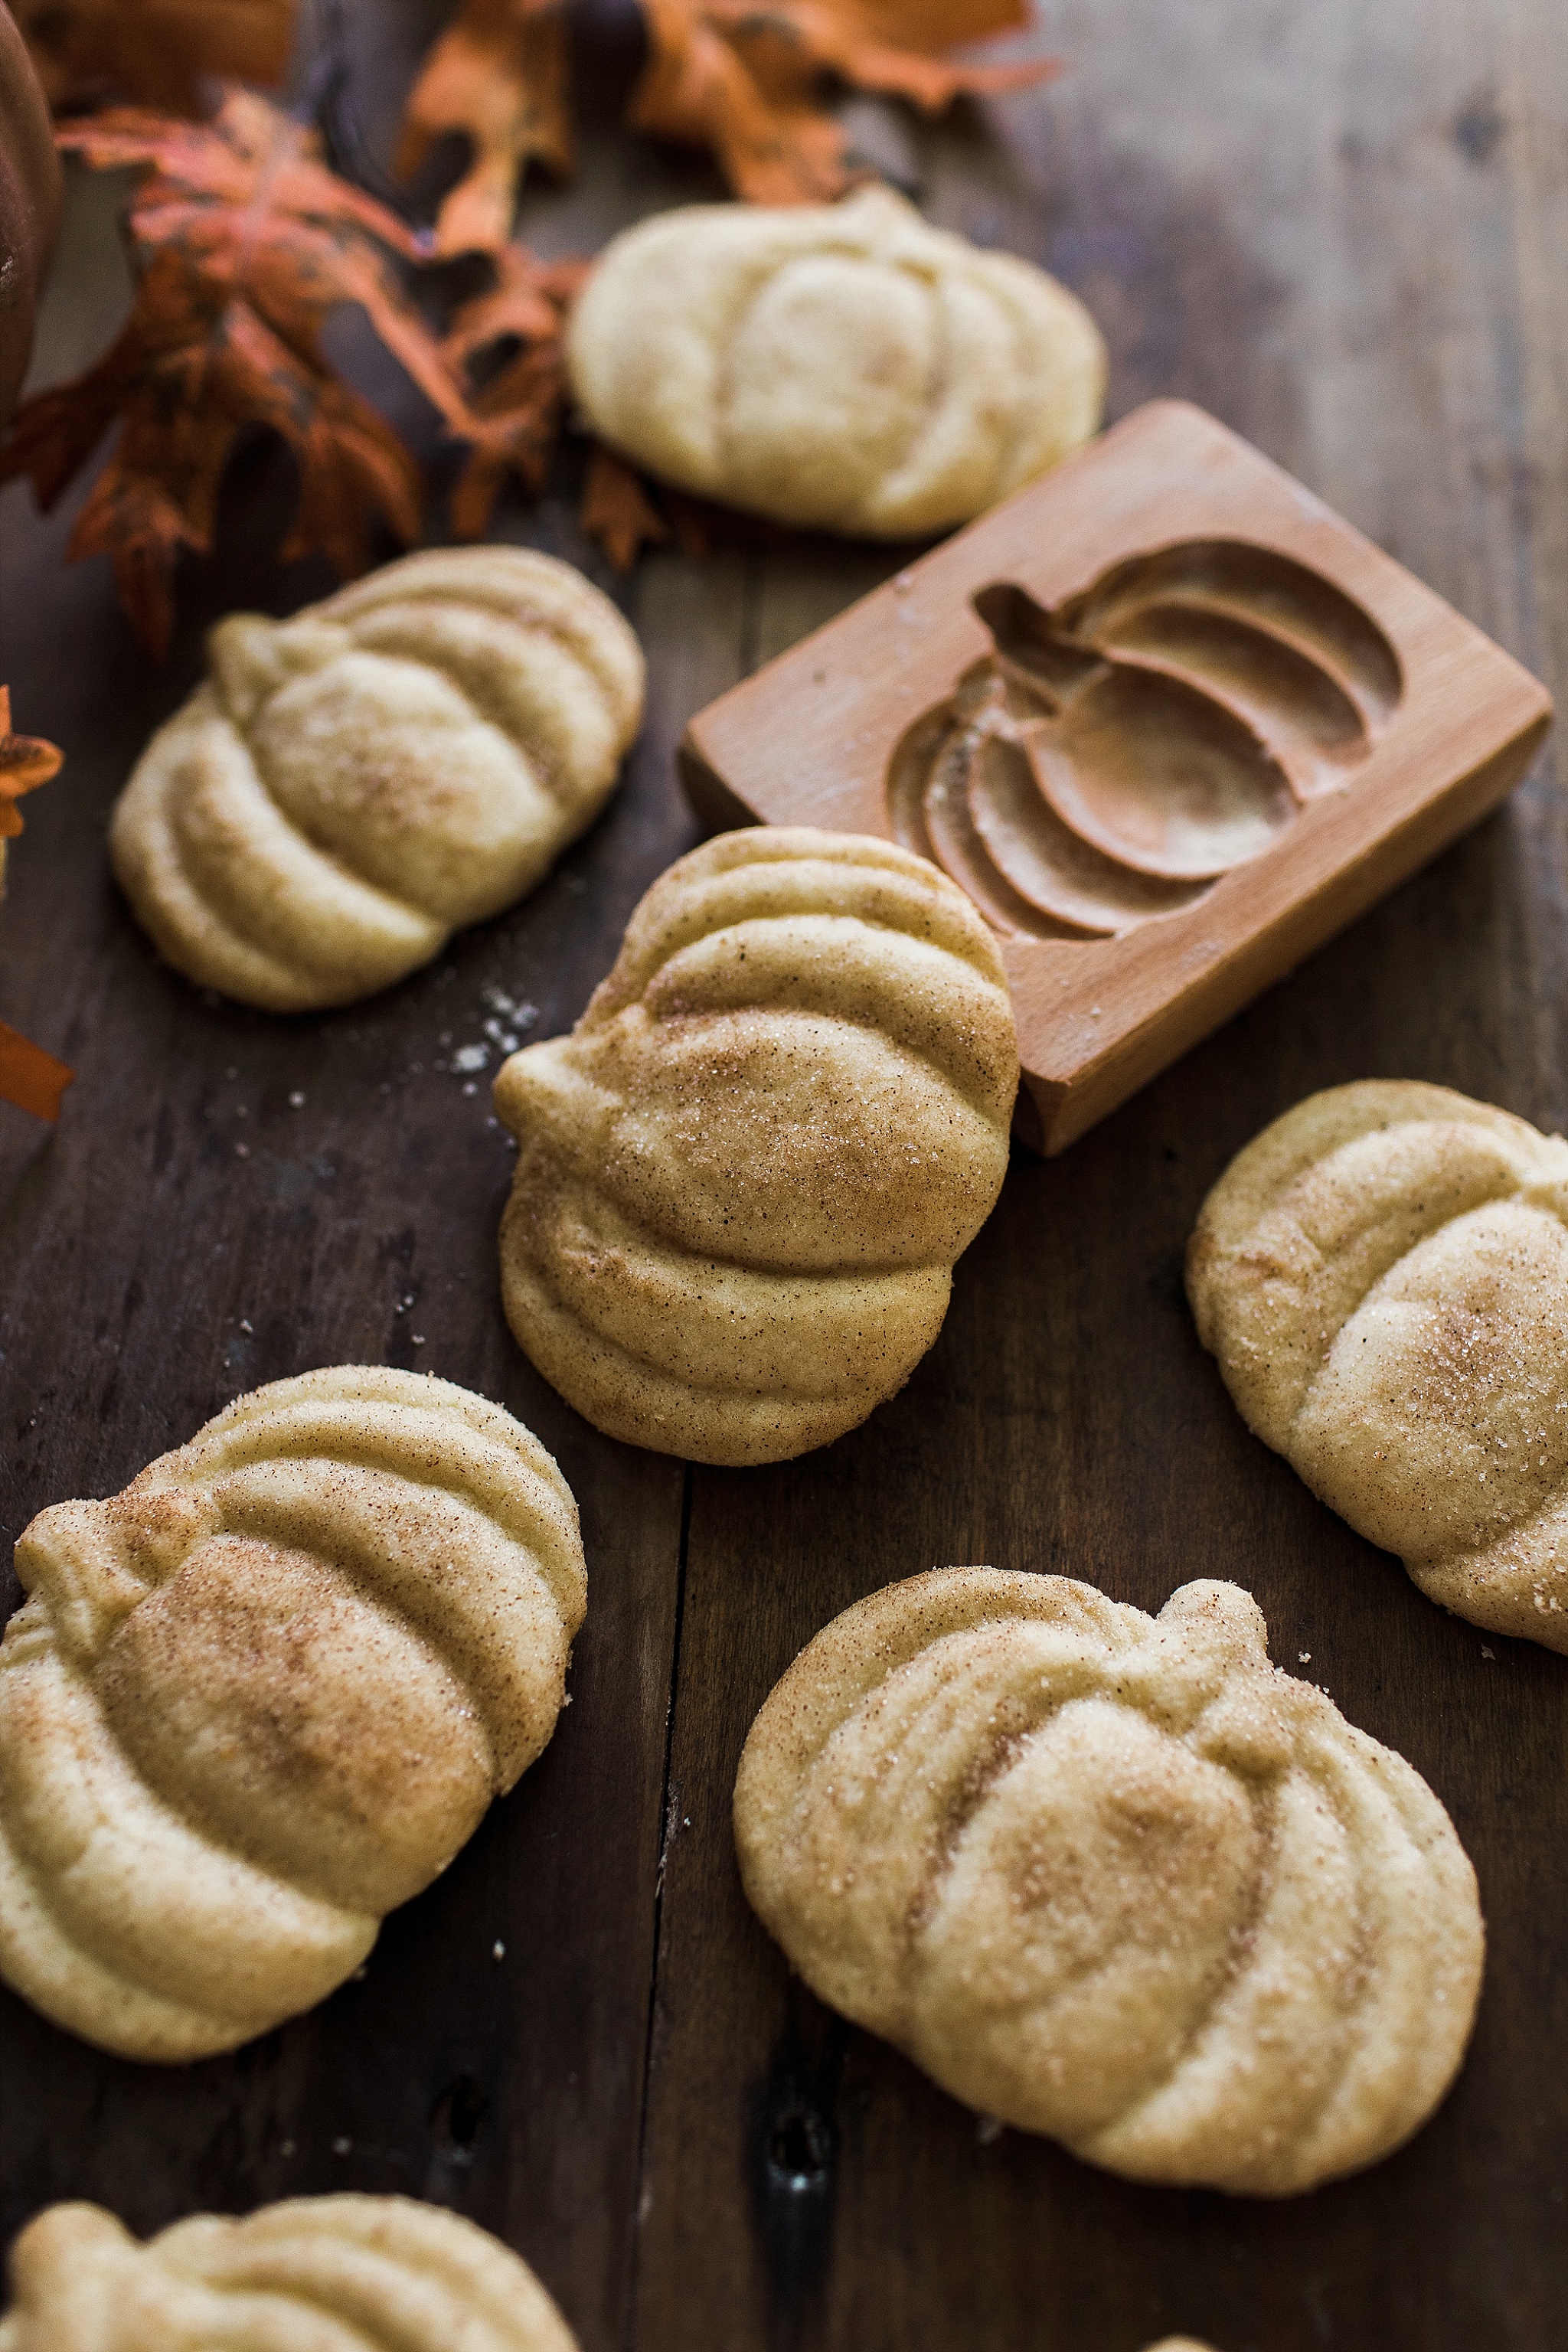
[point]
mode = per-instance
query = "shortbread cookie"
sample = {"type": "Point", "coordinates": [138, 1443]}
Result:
{"type": "Point", "coordinates": [315, 2275]}
{"type": "Point", "coordinates": [746, 1174]}
{"type": "Point", "coordinates": [1382, 1275]}
{"type": "Point", "coordinates": [353, 785]}
{"type": "Point", "coordinates": [844, 366]}
{"type": "Point", "coordinates": [265, 1695]}
{"type": "Point", "coordinates": [1114, 1877]}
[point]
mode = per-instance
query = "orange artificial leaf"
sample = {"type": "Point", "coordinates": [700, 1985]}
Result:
{"type": "Point", "coordinates": [496, 74]}
{"type": "Point", "coordinates": [30, 1077]}
{"type": "Point", "coordinates": [25, 763]}
{"type": "Point", "coordinates": [516, 413]}
{"type": "Point", "coordinates": [243, 242]}
{"type": "Point", "coordinates": [744, 78]}
{"type": "Point", "coordinates": [617, 510]}
{"type": "Point", "coordinates": [152, 50]}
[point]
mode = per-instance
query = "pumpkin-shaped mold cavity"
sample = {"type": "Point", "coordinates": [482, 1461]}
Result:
{"type": "Point", "coordinates": [1115, 1878]}
{"type": "Point", "coordinates": [330, 2273]}
{"type": "Point", "coordinates": [1382, 1275]}
{"type": "Point", "coordinates": [842, 366]}
{"type": "Point", "coordinates": [1111, 758]}
{"type": "Point", "coordinates": [745, 1176]}
{"type": "Point", "coordinates": [266, 1694]}
{"type": "Point", "coordinates": [352, 785]}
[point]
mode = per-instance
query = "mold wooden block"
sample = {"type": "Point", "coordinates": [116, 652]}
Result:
{"type": "Point", "coordinates": [1167, 718]}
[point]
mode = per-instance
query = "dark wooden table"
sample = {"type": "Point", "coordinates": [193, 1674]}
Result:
{"type": "Point", "coordinates": [1343, 229]}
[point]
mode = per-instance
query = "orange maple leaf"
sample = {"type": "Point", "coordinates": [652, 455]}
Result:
{"type": "Point", "coordinates": [28, 1077]}
{"type": "Point", "coordinates": [152, 50]}
{"type": "Point", "coordinates": [617, 510]}
{"type": "Point", "coordinates": [25, 763]}
{"type": "Point", "coordinates": [743, 77]}
{"type": "Point", "coordinates": [499, 74]}
{"type": "Point", "coordinates": [516, 412]}
{"type": "Point", "coordinates": [242, 242]}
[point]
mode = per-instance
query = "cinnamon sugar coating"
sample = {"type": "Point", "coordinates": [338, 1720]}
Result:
{"type": "Point", "coordinates": [312, 2275]}
{"type": "Point", "coordinates": [353, 785]}
{"type": "Point", "coordinates": [842, 366]}
{"type": "Point", "coordinates": [1115, 1878]}
{"type": "Point", "coordinates": [745, 1176]}
{"type": "Point", "coordinates": [1383, 1277]}
{"type": "Point", "coordinates": [265, 1695]}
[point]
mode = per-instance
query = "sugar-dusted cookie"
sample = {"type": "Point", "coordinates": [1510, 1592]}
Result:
{"type": "Point", "coordinates": [315, 2275]}
{"type": "Point", "coordinates": [265, 1694]}
{"type": "Point", "coordinates": [352, 785]}
{"type": "Point", "coordinates": [745, 1176]}
{"type": "Point", "coordinates": [844, 366]}
{"type": "Point", "coordinates": [1114, 1877]}
{"type": "Point", "coordinates": [1382, 1275]}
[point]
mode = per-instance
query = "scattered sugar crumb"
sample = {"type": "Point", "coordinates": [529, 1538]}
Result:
{"type": "Point", "coordinates": [1303, 1657]}
{"type": "Point", "coordinates": [296, 1100]}
{"type": "Point", "coordinates": [341, 2147]}
{"type": "Point", "coordinates": [497, 1950]}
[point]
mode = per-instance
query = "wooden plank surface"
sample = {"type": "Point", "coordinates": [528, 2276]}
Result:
{"type": "Point", "coordinates": [1341, 229]}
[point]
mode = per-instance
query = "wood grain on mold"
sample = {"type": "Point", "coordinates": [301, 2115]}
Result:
{"type": "Point", "coordinates": [1189, 725]}
{"type": "Point", "coordinates": [1340, 229]}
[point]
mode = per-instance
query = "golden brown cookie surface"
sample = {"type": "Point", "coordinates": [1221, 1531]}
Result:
{"type": "Point", "coordinates": [265, 1695]}
{"type": "Point", "coordinates": [314, 2274]}
{"type": "Point", "coordinates": [745, 1176]}
{"type": "Point", "coordinates": [353, 785]}
{"type": "Point", "coordinates": [1382, 1275]}
{"type": "Point", "coordinates": [844, 366]}
{"type": "Point", "coordinates": [1113, 1878]}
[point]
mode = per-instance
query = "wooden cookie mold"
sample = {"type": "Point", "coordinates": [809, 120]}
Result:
{"type": "Point", "coordinates": [1168, 720]}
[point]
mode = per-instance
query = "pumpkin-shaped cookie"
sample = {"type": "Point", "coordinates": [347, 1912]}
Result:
{"type": "Point", "coordinates": [745, 1176]}
{"type": "Point", "coordinates": [352, 785]}
{"type": "Point", "coordinates": [266, 1694]}
{"type": "Point", "coordinates": [1382, 1275]}
{"type": "Point", "coordinates": [315, 2275]}
{"type": "Point", "coordinates": [1114, 1877]}
{"type": "Point", "coordinates": [844, 366]}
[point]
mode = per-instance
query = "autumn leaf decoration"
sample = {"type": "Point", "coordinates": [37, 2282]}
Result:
{"type": "Point", "coordinates": [742, 77]}
{"type": "Point", "coordinates": [242, 242]}
{"type": "Point", "coordinates": [498, 75]}
{"type": "Point", "coordinates": [28, 1077]}
{"type": "Point", "coordinates": [515, 410]}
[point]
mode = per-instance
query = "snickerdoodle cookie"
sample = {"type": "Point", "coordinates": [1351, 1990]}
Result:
{"type": "Point", "coordinates": [350, 786]}
{"type": "Point", "coordinates": [265, 1694]}
{"type": "Point", "coordinates": [1114, 1877]}
{"type": "Point", "coordinates": [315, 2275]}
{"type": "Point", "coordinates": [744, 1179]}
{"type": "Point", "coordinates": [842, 366]}
{"type": "Point", "coordinates": [1382, 1275]}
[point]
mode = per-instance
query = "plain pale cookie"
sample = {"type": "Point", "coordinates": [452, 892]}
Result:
{"type": "Point", "coordinates": [1115, 1878]}
{"type": "Point", "coordinates": [842, 366]}
{"type": "Point", "coordinates": [745, 1176]}
{"type": "Point", "coordinates": [1383, 1277]}
{"type": "Point", "coordinates": [265, 1695]}
{"type": "Point", "coordinates": [315, 2275]}
{"type": "Point", "coordinates": [353, 785]}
